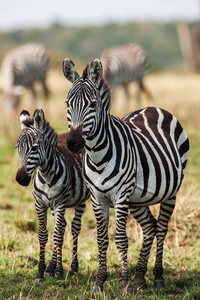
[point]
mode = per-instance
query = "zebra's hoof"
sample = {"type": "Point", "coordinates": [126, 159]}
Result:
{"type": "Point", "coordinates": [73, 272]}
{"type": "Point", "coordinates": [128, 290]}
{"type": "Point", "coordinates": [159, 283]}
{"type": "Point", "coordinates": [49, 274]}
{"type": "Point", "coordinates": [141, 285]}
{"type": "Point", "coordinates": [74, 269]}
{"type": "Point", "coordinates": [39, 280]}
{"type": "Point", "coordinates": [97, 290]}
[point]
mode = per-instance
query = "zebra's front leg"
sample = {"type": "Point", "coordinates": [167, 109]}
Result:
{"type": "Point", "coordinates": [102, 216]}
{"type": "Point", "coordinates": [121, 241]}
{"type": "Point", "coordinates": [58, 238]}
{"type": "Point", "coordinates": [76, 227]}
{"type": "Point", "coordinates": [148, 224]}
{"type": "Point", "coordinates": [166, 210]}
{"type": "Point", "coordinates": [43, 238]}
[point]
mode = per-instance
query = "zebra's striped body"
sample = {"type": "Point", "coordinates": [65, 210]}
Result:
{"type": "Point", "coordinates": [21, 68]}
{"type": "Point", "coordinates": [57, 184]}
{"type": "Point", "coordinates": [130, 163]}
{"type": "Point", "coordinates": [125, 64]}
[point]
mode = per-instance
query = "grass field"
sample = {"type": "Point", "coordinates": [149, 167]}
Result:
{"type": "Point", "coordinates": [19, 248]}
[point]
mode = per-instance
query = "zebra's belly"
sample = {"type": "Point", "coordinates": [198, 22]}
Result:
{"type": "Point", "coordinates": [136, 194]}
{"type": "Point", "coordinates": [59, 194]}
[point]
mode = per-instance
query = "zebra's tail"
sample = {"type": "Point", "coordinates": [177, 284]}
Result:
{"type": "Point", "coordinates": [183, 146]}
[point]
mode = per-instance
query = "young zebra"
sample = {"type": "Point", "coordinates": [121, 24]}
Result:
{"type": "Point", "coordinates": [130, 163]}
{"type": "Point", "coordinates": [57, 184]}
{"type": "Point", "coordinates": [123, 65]}
{"type": "Point", "coordinates": [21, 68]}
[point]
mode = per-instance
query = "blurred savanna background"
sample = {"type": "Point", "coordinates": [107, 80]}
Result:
{"type": "Point", "coordinates": [170, 35]}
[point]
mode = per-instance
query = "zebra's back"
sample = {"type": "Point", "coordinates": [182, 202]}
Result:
{"type": "Point", "coordinates": [162, 148]}
{"type": "Point", "coordinates": [124, 64]}
{"type": "Point", "coordinates": [25, 65]}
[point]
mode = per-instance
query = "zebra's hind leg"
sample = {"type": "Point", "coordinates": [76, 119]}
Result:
{"type": "Point", "coordinates": [102, 216]}
{"type": "Point", "coordinates": [33, 91]}
{"type": "Point", "coordinates": [58, 237]}
{"type": "Point", "coordinates": [45, 89]}
{"type": "Point", "coordinates": [50, 271]}
{"type": "Point", "coordinates": [166, 210]}
{"type": "Point", "coordinates": [43, 238]}
{"type": "Point", "coordinates": [144, 89]}
{"type": "Point", "coordinates": [148, 224]}
{"type": "Point", "coordinates": [121, 241]}
{"type": "Point", "coordinates": [76, 227]}
{"type": "Point", "coordinates": [127, 93]}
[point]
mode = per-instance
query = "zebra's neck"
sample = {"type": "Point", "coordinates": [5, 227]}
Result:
{"type": "Point", "coordinates": [50, 156]}
{"type": "Point", "coordinates": [99, 146]}
{"type": "Point", "coordinates": [50, 136]}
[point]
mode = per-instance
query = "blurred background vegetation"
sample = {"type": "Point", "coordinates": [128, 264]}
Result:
{"type": "Point", "coordinates": [83, 44]}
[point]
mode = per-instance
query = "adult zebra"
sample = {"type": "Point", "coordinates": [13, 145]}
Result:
{"type": "Point", "coordinates": [21, 68]}
{"type": "Point", "coordinates": [57, 184]}
{"type": "Point", "coordinates": [125, 64]}
{"type": "Point", "coordinates": [130, 163]}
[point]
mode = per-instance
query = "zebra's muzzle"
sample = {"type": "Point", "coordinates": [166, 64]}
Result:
{"type": "Point", "coordinates": [75, 141]}
{"type": "Point", "coordinates": [22, 178]}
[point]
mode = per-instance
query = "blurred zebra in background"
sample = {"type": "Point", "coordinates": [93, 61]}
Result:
{"type": "Point", "coordinates": [57, 184]}
{"type": "Point", "coordinates": [123, 65]}
{"type": "Point", "coordinates": [21, 68]}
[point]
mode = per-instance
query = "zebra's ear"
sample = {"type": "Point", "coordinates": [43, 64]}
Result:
{"type": "Point", "coordinates": [38, 119]}
{"type": "Point", "coordinates": [69, 70]}
{"type": "Point", "coordinates": [96, 70]}
{"type": "Point", "coordinates": [24, 119]}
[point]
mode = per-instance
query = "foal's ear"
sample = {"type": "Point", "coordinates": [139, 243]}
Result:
{"type": "Point", "coordinates": [69, 70]}
{"type": "Point", "coordinates": [25, 119]}
{"type": "Point", "coordinates": [38, 119]}
{"type": "Point", "coordinates": [95, 70]}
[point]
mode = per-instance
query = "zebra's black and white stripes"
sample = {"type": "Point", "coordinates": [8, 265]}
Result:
{"type": "Point", "coordinates": [21, 68]}
{"type": "Point", "coordinates": [130, 164]}
{"type": "Point", "coordinates": [57, 184]}
{"type": "Point", "coordinates": [125, 64]}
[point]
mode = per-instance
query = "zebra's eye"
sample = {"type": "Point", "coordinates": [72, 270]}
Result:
{"type": "Point", "coordinates": [93, 104]}
{"type": "Point", "coordinates": [34, 147]}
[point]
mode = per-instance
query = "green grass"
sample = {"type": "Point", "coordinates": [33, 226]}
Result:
{"type": "Point", "coordinates": [19, 247]}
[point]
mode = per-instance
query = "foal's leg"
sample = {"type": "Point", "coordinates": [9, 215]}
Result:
{"type": "Point", "coordinates": [166, 210]}
{"type": "Point", "coordinates": [76, 227]}
{"type": "Point", "coordinates": [52, 265]}
{"type": "Point", "coordinates": [102, 217]}
{"type": "Point", "coordinates": [50, 271]}
{"type": "Point", "coordinates": [43, 238]}
{"type": "Point", "coordinates": [148, 224]}
{"type": "Point", "coordinates": [58, 236]}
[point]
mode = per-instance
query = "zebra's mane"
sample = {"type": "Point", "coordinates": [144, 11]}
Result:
{"type": "Point", "coordinates": [50, 133]}
{"type": "Point", "coordinates": [104, 89]}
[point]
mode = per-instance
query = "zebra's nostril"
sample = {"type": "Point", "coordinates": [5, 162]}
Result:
{"type": "Point", "coordinates": [75, 141]}
{"type": "Point", "coordinates": [23, 179]}
{"type": "Point", "coordinates": [75, 146]}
